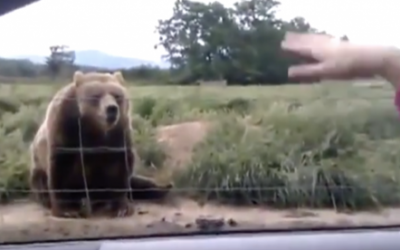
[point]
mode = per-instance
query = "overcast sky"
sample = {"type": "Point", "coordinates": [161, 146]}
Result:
{"type": "Point", "coordinates": [126, 27]}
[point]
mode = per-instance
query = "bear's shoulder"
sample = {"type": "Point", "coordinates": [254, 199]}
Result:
{"type": "Point", "coordinates": [41, 141]}
{"type": "Point", "coordinates": [59, 106]}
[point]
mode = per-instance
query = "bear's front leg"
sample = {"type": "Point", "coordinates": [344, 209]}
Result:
{"type": "Point", "coordinates": [144, 188]}
{"type": "Point", "coordinates": [60, 210]}
{"type": "Point", "coordinates": [122, 208]}
{"type": "Point", "coordinates": [118, 178]}
{"type": "Point", "coordinates": [38, 184]}
{"type": "Point", "coordinates": [64, 202]}
{"type": "Point", "coordinates": [118, 204]}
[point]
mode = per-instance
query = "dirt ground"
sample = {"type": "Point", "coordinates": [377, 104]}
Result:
{"type": "Point", "coordinates": [26, 221]}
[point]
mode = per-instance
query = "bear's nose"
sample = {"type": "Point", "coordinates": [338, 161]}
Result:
{"type": "Point", "coordinates": [112, 113]}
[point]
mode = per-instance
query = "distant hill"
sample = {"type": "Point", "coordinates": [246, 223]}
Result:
{"type": "Point", "coordinates": [99, 59]}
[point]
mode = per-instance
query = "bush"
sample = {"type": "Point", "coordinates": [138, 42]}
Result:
{"type": "Point", "coordinates": [292, 161]}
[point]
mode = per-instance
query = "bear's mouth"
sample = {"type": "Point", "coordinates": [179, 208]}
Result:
{"type": "Point", "coordinates": [111, 114]}
{"type": "Point", "coordinates": [111, 119]}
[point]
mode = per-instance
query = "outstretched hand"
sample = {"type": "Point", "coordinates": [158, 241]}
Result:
{"type": "Point", "coordinates": [335, 59]}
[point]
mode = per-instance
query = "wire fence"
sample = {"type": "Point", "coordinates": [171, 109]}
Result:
{"type": "Point", "coordinates": [313, 97]}
{"type": "Point", "coordinates": [175, 189]}
{"type": "Point", "coordinates": [104, 149]}
{"type": "Point", "coordinates": [317, 191]}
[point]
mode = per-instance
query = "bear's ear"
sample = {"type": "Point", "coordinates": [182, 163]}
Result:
{"type": "Point", "coordinates": [78, 78]}
{"type": "Point", "coordinates": [118, 75]}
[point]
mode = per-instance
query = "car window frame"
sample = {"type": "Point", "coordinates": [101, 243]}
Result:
{"type": "Point", "coordinates": [373, 238]}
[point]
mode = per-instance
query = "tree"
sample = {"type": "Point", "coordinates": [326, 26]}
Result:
{"type": "Point", "coordinates": [60, 58]}
{"type": "Point", "coordinates": [240, 44]}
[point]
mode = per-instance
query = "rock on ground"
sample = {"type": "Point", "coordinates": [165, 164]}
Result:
{"type": "Point", "coordinates": [179, 140]}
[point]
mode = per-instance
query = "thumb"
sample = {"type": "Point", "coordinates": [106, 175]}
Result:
{"type": "Point", "coordinates": [334, 71]}
{"type": "Point", "coordinates": [308, 71]}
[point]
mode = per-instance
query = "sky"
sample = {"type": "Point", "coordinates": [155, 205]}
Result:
{"type": "Point", "coordinates": [127, 27]}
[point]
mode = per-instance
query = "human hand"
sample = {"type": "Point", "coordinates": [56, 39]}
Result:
{"type": "Point", "coordinates": [335, 59]}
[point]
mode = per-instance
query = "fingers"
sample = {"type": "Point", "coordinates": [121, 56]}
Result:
{"type": "Point", "coordinates": [325, 71]}
{"type": "Point", "coordinates": [320, 71]}
{"type": "Point", "coordinates": [307, 45]}
{"type": "Point", "coordinates": [303, 45]}
{"type": "Point", "coordinates": [309, 72]}
{"type": "Point", "coordinates": [297, 49]}
{"type": "Point", "coordinates": [292, 43]}
{"type": "Point", "coordinates": [304, 38]}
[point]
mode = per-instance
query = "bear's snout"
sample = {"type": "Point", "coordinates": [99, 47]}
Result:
{"type": "Point", "coordinates": [111, 113]}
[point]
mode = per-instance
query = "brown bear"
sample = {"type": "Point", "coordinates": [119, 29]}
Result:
{"type": "Point", "coordinates": [83, 150]}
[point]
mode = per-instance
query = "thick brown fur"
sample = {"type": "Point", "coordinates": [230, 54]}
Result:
{"type": "Point", "coordinates": [77, 156]}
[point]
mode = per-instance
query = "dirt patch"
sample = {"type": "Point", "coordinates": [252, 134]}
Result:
{"type": "Point", "coordinates": [179, 141]}
{"type": "Point", "coordinates": [26, 221]}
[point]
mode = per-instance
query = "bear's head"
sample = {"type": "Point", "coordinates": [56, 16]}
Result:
{"type": "Point", "coordinates": [103, 98]}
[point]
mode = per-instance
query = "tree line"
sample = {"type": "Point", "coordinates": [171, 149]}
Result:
{"type": "Point", "coordinates": [203, 42]}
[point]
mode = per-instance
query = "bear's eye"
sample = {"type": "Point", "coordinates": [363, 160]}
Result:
{"type": "Point", "coordinates": [94, 99]}
{"type": "Point", "coordinates": [118, 98]}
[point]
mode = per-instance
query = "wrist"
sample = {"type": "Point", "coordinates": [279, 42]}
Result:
{"type": "Point", "coordinates": [389, 66]}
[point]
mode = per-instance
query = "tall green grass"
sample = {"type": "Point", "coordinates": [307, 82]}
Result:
{"type": "Point", "coordinates": [335, 146]}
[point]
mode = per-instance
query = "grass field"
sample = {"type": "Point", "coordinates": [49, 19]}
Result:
{"type": "Point", "coordinates": [330, 145]}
